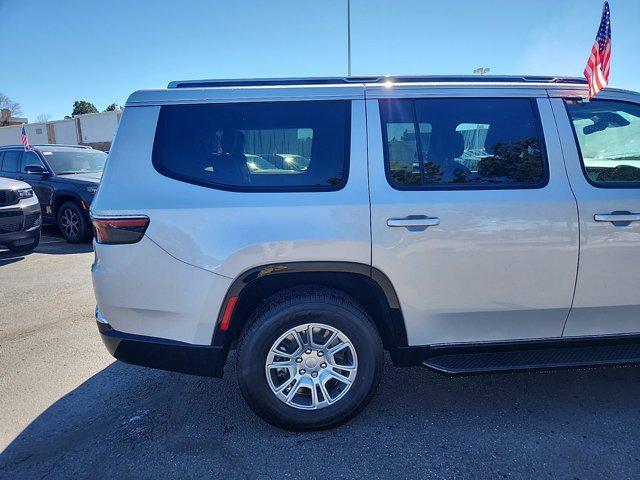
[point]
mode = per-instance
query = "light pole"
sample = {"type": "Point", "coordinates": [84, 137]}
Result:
{"type": "Point", "coordinates": [348, 38]}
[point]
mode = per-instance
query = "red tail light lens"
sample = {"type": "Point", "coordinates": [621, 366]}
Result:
{"type": "Point", "coordinates": [119, 230]}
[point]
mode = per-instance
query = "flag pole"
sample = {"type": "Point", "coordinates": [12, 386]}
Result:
{"type": "Point", "coordinates": [348, 38]}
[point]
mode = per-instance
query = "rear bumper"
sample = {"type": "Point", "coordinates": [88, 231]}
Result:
{"type": "Point", "coordinates": [163, 354]}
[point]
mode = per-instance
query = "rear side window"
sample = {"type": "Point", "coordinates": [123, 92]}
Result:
{"type": "Point", "coordinates": [11, 161]}
{"type": "Point", "coordinates": [462, 143]}
{"type": "Point", "coordinates": [608, 136]}
{"type": "Point", "coordinates": [283, 146]}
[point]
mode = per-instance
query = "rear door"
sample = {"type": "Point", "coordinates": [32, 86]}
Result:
{"type": "Point", "coordinates": [601, 141]}
{"type": "Point", "coordinates": [472, 216]}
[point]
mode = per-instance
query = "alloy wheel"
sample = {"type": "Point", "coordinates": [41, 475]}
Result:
{"type": "Point", "coordinates": [311, 366]}
{"type": "Point", "coordinates": [70, 223]}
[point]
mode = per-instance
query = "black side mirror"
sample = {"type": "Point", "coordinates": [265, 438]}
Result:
{"type": "Point", "coordinates": [37, 169]}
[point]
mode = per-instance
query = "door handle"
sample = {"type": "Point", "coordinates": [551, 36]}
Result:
{"type": "Point", "coordinates": [413, 221]}
{"type": "Point", "coordinates": [617, 217]}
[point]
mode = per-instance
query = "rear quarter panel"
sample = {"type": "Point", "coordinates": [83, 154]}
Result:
{"type": "Point", "coordinates": [229, 232]}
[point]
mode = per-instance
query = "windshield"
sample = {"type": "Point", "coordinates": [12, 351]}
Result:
{"type": "Point", "coordinates": [77, 161]}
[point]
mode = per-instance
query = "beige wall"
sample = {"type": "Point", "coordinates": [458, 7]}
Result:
{"type": "Point", "coordinates": [95, 129]}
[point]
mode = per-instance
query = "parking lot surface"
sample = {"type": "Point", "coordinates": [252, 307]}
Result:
{"type": "Point", "coordinates": [68, 410]}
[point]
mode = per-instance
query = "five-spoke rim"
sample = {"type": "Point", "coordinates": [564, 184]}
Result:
{"type": "Point", "coordinates": [311, 366]}
{"type": "Point", "coordinates": [70, 223]}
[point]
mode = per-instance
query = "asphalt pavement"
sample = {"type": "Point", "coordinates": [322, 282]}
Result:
{"type": "Point", "coordinates": [68, 410]}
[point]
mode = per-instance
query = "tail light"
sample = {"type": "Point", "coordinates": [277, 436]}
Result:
{"type": "Point", "coordinates": [119, 230]}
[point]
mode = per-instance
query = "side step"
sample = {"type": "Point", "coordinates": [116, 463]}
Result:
{"type": "Point", "coordinates": [501, 360]}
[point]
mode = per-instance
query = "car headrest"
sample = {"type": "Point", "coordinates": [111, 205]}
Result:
{"type": "Point", "coordinates": [233, 141]}
{"type": "Point", "coordinates": [238, 144]}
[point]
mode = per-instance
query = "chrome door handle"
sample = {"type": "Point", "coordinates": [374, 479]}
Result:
{"type": "Point", "coordinates": [617, 217]}
{"type": "Point", "coordinates": [415, 221]}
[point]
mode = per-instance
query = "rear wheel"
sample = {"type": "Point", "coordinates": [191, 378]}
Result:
{"type": "Point", "coordinates": [309, 359]}
{"type": "Point", "coordinates": [72, 223]}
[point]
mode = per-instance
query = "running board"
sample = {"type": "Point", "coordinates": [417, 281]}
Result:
{"type": "Point", "coordinates": [535, 358]}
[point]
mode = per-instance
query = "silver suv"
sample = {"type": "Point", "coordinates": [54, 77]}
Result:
{"type": "Point", "coordinates": [463, 224]}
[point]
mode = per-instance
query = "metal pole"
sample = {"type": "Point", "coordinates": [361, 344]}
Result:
{"type": "Point", "coordinates": [348, 38]}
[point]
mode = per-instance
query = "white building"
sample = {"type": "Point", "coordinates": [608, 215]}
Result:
{"type": "Point", "coordinates": [94, 129]}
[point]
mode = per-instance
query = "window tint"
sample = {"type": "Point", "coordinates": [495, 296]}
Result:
{"type": "Point", "coordinates": [255, 146]}
{"type": "Point", "coordinates": [11, 161]}
{"type": "Point", "coordinates": [608, 134]}
{"type": "Point", "coordinates": [29, 159]}
{"type": "Point", "coordinates": [468, 143]}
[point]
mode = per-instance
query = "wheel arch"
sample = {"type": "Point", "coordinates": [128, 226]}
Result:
{"type": "Point", "coordinates": [63, 196]}
{"type": "Point", "coordinates": [370, 287]}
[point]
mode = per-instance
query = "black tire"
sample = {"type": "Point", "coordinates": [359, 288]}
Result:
{"type": "Point", "coordinates": [25, 248]}
{"type": "Point", "coordinates": [299, 306]}
{"type": "Point", "coordinates": [81, 230]}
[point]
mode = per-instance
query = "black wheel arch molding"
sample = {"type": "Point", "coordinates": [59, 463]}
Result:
{"type": "Point", "coordinates": [68, 195]}
{"type": "Point", "coordinates": [389, 320]}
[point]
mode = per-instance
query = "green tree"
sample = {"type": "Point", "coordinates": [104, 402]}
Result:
{"type": "Point", "coordinates": [81, 107]}
{"type": "Point", "coordinates": [112, 107]}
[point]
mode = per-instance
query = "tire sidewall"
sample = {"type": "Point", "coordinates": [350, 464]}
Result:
{"type": "Point", "coordinates": [252, 358]}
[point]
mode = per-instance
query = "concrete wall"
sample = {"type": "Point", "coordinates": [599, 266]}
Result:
{"type": "Point", "coordinates": [95, 129]}
{"type": "Point", "coordinates": [10, 135]}
{"type": "Point", "coordinates": [65, 131]}
{"type": "Point", "coordinates": [37, 133]}
{"type": "Point", "coordinates": [99, 127]}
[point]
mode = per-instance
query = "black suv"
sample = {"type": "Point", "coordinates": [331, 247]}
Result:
{"type": "Point", "coordinates": [64, 178]}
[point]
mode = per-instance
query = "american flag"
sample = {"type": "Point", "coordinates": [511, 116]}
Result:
{"type": "Point", "coordinates": [597, 71]}
{"type": "Point", "coordinates": [24, 139]}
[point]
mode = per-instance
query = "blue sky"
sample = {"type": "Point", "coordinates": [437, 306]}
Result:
{"type": "Point", "coordinates": [55, 52]}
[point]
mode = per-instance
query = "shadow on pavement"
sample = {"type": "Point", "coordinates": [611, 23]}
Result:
{"type": "Point", "coordinates": [7, 257]}
{"type": "Point", "coordinates": [51, 243]}
{"type": "Point", "coordinates": [132, 422]}
{"type": "Point", "coordinates": [58, 246]}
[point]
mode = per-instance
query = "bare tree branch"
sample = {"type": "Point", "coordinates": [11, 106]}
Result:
{"type": "Point", "coordinates": [13, 107]}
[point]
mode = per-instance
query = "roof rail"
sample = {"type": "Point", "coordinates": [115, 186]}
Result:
{"type": "Point", "coordinates": [260, 82]}
{"type": "Point", "coordinates": [39, 145]}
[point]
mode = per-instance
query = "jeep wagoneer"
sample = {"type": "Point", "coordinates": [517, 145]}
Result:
{"type": "Point", "coordinates": [461, 223]}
